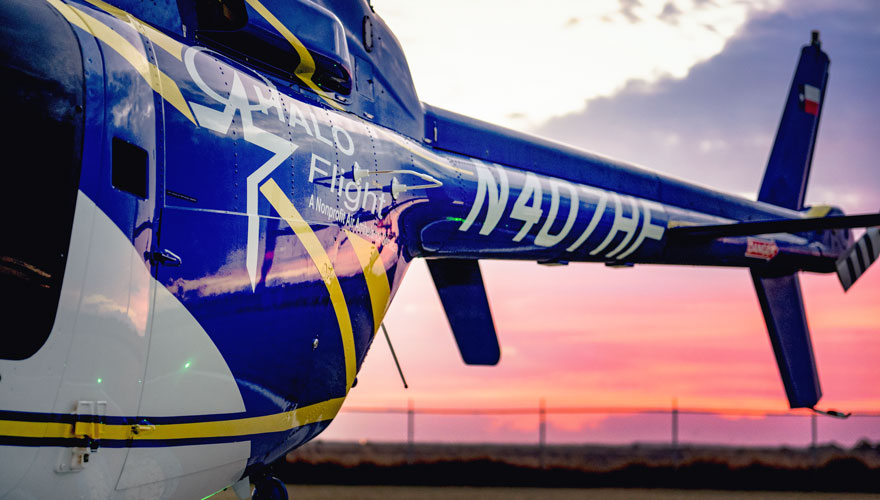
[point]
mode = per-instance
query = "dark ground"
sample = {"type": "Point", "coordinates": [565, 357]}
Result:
{"type": "Point", "coordinates": [823, 469]}
{"type": "Point", "coordinates": [330, 492]}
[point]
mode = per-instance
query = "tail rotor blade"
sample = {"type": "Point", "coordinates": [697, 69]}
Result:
{"type": "Point", "coordinates": [855, 261]}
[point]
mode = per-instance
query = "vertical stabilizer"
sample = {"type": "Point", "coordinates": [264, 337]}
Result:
{"type": "Point", "coordinates": [785, 180]}
{"type": "Point", "coordinates": [459, 283]}
{"type": "Point", "coordinates": [783, 308]}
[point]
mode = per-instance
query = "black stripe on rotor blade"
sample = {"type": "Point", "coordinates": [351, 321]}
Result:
{"type": "Point", "coordinates": [871, 254]}
{"type": "Point", "coordinates": [852, 269]}
{"type": "Point", "coordinates": [858, 251]}
{"type": "Point", "coordinates": [844, 275]}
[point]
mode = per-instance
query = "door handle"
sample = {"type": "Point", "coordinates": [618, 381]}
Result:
{"type": "Point", "coordinates": [165, 257]}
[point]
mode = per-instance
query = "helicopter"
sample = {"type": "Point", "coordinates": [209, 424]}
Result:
{"type": "Point", "coordinates": [232, 195]}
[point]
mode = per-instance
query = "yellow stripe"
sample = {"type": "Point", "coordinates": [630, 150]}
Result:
{"type": "Point", "coordinates": [158, 81]}
{"type": "Point", "coordinates": [35, 429]}
{"type": "Point", "coordinates": [374, 274]}
{"type": "Point", "coordinates": [278, 422]}
{"type": "Point", "coordinates": [288, 212]}
{"type": "Point", "coordinates": [818, 211]}
{"type": "Point", "coordinates": [306, 68]}
{"type": "Point", "coordinates": [169, 44]}
{"type": "Point", "coordinates": [681, 223]}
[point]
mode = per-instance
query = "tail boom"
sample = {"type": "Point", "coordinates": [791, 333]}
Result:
{"type": "Point", "coordinates": [507, 195]}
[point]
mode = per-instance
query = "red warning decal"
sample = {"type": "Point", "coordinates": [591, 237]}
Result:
{"type": "Point", "coordinates": [761, 249]}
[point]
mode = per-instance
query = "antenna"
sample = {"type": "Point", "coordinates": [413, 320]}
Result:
{"type": "Point", "coordinates": [393, 355]}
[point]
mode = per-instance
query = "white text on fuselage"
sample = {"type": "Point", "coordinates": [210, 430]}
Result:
{"type": "Point", "coordinates": [355, 196]}
{"type": "Point", "coordinates": [337, 138]}
{"type": "Point", "coordinates": [529, 210]}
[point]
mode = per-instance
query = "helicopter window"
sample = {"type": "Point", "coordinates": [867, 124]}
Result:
{"type": "Point", "coordinates": [221, 15]}
{"type": "Point", "coordinates": [43, 153]}
{"type": "Point", "coordinates": [129, 168]}
{"type": "Point", "coordinates": [227, 26]}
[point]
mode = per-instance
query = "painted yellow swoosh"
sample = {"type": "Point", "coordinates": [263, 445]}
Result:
{"type": "Point", "coordinates": [374, 274]}
{"type": "Point", "coordinates": [303, 231]}
{"type": "Point", "coordinates": [158, 81]}
{"type": "Point", "coordinates": [167, 43]}
{"type": "Point", "coordinates": [277, 422]}
{"type": "Point", "coordinates": [306, 68]}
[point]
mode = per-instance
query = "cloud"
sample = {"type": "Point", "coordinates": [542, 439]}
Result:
{"type": "Point", "coordinates": [516, 65]}
{"type": "Point", "coordinates": [670, 14]}
{"type": "Point", "coordinates": [627, 9]}
{"type": "Point", "coordinates": [716, 126]}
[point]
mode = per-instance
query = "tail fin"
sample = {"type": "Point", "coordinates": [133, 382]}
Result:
{"type": "Point", "coordinates": [784, 185]}
{"type": "Point", "coordinates": [785, 180]}
{"type": "Point", "coordinates": [459, 283]}
{"type": "Point", "coordinates": [855, 261]}
{"type": "Point", "coordinates": [783, 309]}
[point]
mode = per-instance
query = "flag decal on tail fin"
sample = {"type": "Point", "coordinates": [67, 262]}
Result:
{"type": "Point", "coordinates": [810, 99]}
{"type": "Point", "coordinates": [853, 263]}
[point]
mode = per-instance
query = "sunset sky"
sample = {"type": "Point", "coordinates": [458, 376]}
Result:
{"type": "Point", "coordinates": [693, 89]}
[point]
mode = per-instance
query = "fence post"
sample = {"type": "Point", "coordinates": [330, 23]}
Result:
{"type": "Point", "coordinates": [675, 424]}
{"type": "Point", "coordinates": [410, 431]}
{"type": "Point", "coordinates": [542, 431]}
{"type": "Point", "coordinates": [814, 439]}
{"type": "Point", "coordinates": [675, 452]}
{"type": "Point", "coordinates": [814, 428]}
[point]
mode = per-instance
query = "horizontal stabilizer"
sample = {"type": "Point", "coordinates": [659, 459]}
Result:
{"type": "Point", "coordinates": [783, 309]}
{"type": "Point", "coordinates": [460, 285]}
{"type": "Point", "coordinates": [775, 226]}
{"type": "Point", "coordinates": [855, 261]}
